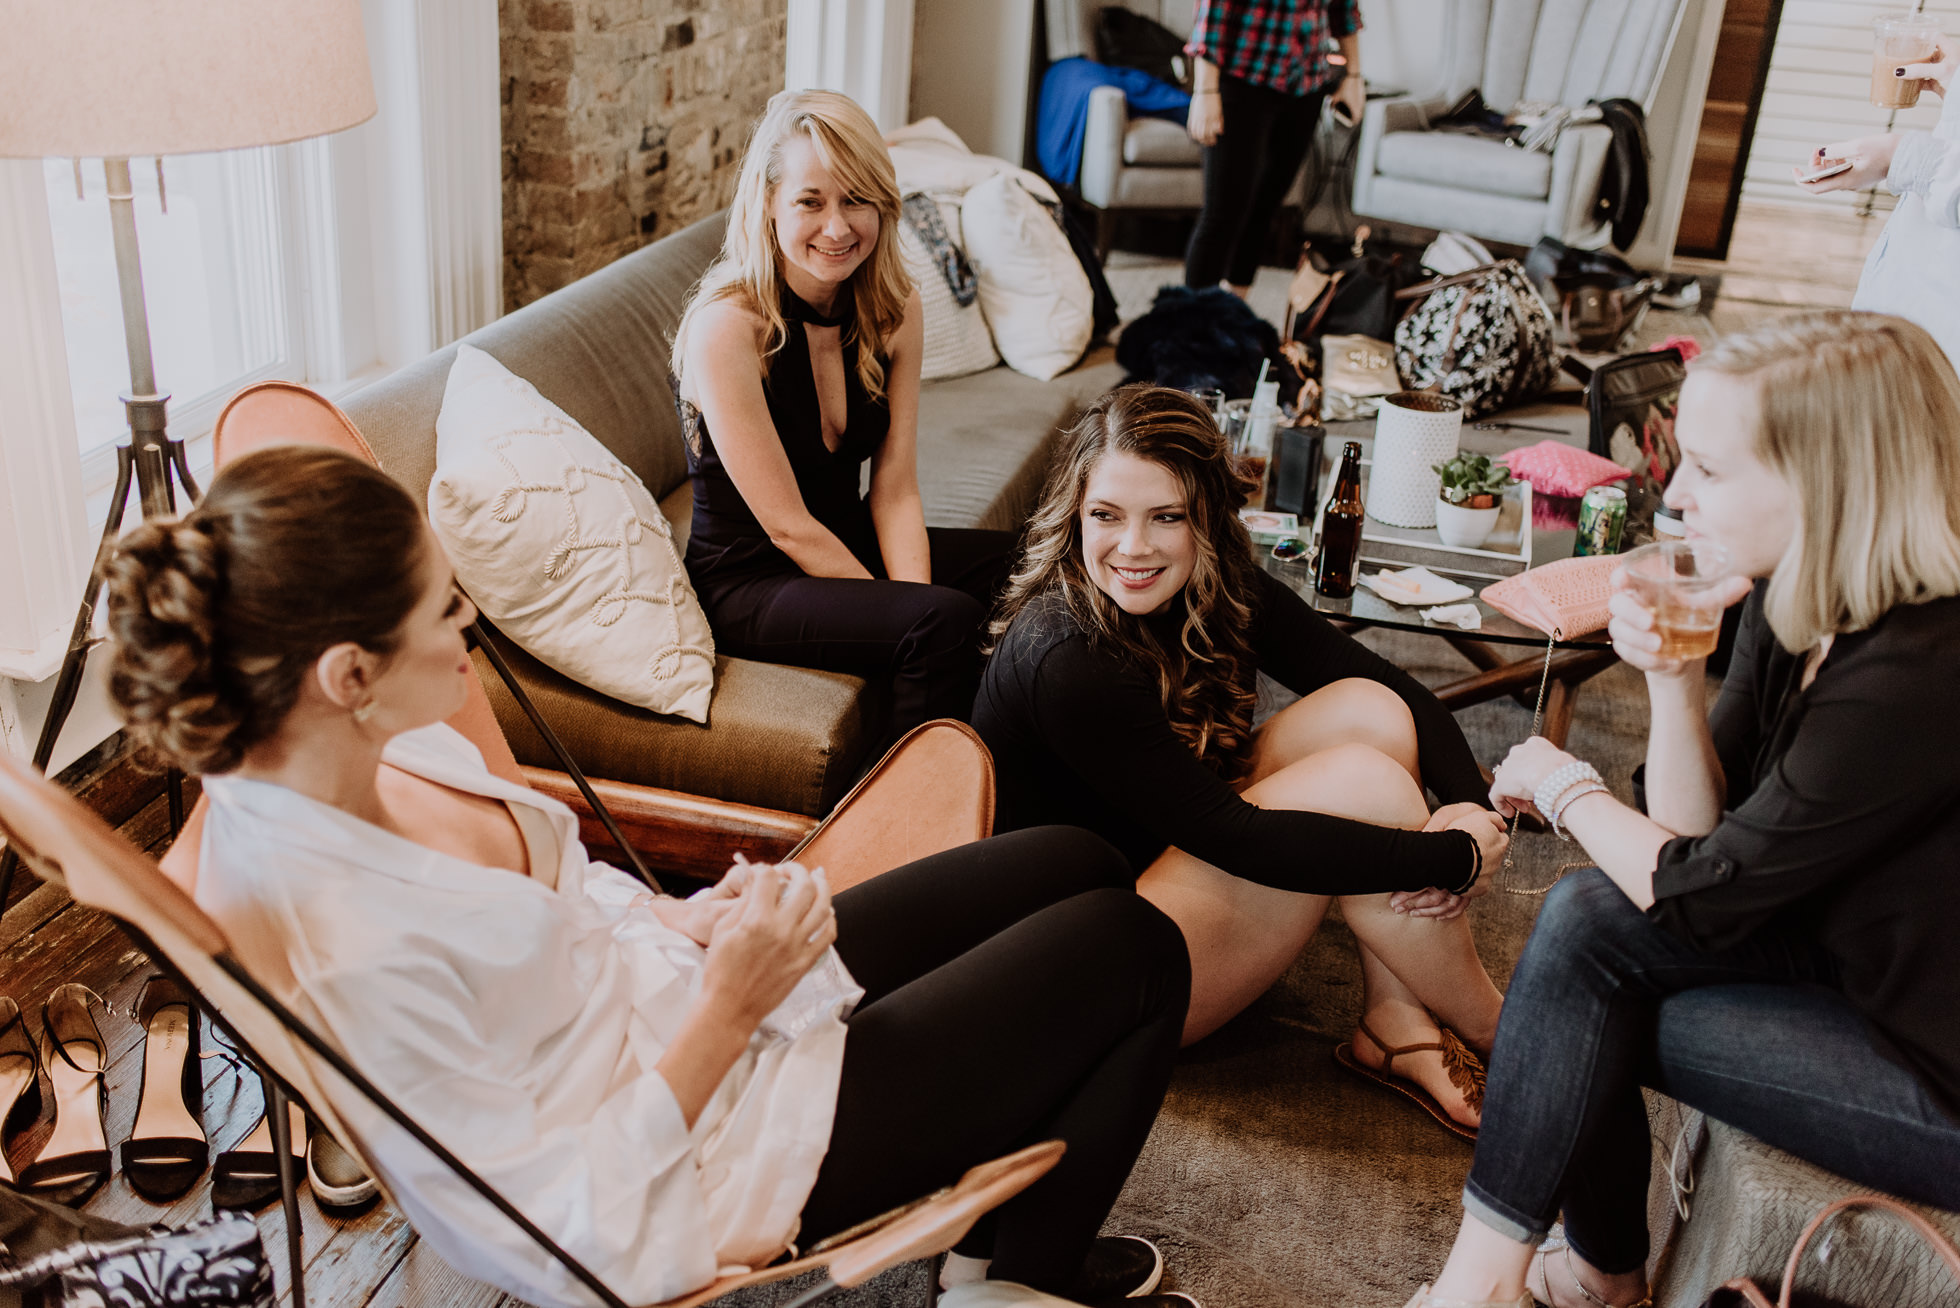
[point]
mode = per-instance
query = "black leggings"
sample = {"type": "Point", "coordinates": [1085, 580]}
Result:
{"type": "Point", "coordinates": [925, 639]}
{"type": "Point", "coordinates": [1247, 173]}
{"type": "Point", "coordinates": [1016, 990]}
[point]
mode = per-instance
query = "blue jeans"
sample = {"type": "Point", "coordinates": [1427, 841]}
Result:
{"type": "Point", "coordinates": [1604, 1001]}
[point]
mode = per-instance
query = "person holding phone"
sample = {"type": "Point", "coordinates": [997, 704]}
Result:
{"type": "Point", "coordinates": [1914, 269]}
{"type": "Point", "coordinates": [1769, 941]}
{"type": "Point", "coordinates": [1263, 68]}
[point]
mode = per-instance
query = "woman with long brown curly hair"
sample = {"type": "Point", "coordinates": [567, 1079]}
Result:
{"type": "Point", "coordinates": [1120, 698]}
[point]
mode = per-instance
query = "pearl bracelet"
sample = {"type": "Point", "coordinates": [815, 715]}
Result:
{"type": "Point", "coordinates": [1552, 788]}
{"type": "Point", "coordinates": [1571, 796]}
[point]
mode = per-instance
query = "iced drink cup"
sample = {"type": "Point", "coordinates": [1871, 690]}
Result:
{"type": "Point", "coordinates": [1678, 580]}
{"type": "Point", "coordinates": [1901, 39]}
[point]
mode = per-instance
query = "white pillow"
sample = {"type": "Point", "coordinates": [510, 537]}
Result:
{"type": "Point", "coordinates": [957, 339]}
{"type": "Point", "coordinates": [562, 547]}
{"type": "Point", "coordinates": [1035, 294]}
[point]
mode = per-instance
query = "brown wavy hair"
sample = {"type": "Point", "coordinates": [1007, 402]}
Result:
{"type": "Point", "coordinates": [1206, 677]}
{"type": "Point", "coordinates": [217, 617]}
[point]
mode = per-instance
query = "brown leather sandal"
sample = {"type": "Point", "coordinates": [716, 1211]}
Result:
{"type": "Point", "coordinates": [1466, 1072]}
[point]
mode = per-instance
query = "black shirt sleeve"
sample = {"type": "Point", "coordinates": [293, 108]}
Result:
{"type": "Point", "coordinates": [1303, 651]}
{"type": "Point", "coordinates": [1866, 769]}
{"type": "Point", "coordinates": [1107, 725]}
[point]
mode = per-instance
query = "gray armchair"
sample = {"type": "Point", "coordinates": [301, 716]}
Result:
{"type": "Point", "coordinates": [1568, 51]}
{"type": "Point", "coordinates": [1143, 163]}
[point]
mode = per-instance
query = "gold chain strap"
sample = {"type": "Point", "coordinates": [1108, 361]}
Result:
{"type": "Point", "coordinates": [1537, 721]}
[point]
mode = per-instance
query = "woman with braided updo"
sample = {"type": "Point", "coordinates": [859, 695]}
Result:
{"type": "Point", "coordinates": [665, 1087]}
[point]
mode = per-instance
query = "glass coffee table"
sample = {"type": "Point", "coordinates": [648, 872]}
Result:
{"type": "Point", "coordinates": [1508, 657]}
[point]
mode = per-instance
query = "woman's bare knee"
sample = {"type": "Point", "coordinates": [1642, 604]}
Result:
{"type": "Point", "coordinates": [1353, 780]}
{"type": "Point", "coordinates": [1351, 711]}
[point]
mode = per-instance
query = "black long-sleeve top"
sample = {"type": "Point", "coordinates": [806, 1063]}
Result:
{"type": "Point", "coordinates": [1079, 736]}
{"type": "Point", "coordinates": [1842, 823]}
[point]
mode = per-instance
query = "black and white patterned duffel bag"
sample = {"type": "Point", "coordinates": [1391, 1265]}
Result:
{"type": "Point", "coordinates": [1482, 337]}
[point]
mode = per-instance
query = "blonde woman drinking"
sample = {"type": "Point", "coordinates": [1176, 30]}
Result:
{"type": "Point", "coordinates": [1770, 942]}
{"type": "Point", "coordinates": [797, 363]}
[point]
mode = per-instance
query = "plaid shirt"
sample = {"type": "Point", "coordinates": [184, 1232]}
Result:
{"type": "Point", "coordinates": [1277, 44]}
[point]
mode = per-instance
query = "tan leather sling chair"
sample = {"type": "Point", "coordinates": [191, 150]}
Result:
{"type": "Point", "coordinates": [932, 791]}
{"type": "Point", "coordinates": [62, 842]}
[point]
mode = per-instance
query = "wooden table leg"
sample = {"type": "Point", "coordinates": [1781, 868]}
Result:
{"type": "Point", "coordinates": [1560, 699]}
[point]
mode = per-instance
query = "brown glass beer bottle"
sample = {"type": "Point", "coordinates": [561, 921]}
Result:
{"type": "Point", "coordinates": [1340, 529]}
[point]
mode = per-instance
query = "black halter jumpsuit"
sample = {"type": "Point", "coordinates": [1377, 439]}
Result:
{"type": "Point", "coordinates": [923, 640]}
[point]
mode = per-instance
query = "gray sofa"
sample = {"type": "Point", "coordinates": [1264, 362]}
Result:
{"type": "Point", "coordinates": [778, 737]}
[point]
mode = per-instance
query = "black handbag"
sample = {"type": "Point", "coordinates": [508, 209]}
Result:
{"type": "Point", "coordinates": [1127, 39]}
{"type": "Point", "coordinates": [55, 1255]}
{"type": "Point", "coordinates": [1631, 402]}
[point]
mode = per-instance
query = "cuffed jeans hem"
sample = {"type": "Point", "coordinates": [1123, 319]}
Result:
{"type": "Point", "coordinates": [1507, 1222]}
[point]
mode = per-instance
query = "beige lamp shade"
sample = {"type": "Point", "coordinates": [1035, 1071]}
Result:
{"type": "Point", "coordinates": [115, 79]}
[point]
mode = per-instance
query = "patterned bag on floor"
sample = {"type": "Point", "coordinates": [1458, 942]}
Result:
{"type": "Point", "coordinates": [1483, 338]}
{"type": "Point", "coordinates": [215, 1263]}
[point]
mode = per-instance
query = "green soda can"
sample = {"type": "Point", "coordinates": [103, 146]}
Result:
{"type": "Point", "coordinates": [1602, 520]}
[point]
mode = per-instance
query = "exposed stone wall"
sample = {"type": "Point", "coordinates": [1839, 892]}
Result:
{"type": "Point", "coordinates": [623, 120]}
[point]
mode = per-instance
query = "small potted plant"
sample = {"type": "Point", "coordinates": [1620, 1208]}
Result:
{"type": "Point", "coordinates": [1467, 504]}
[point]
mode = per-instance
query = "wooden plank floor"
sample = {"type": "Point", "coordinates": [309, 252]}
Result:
{"type": "Point", "coordinates": [46, 940]}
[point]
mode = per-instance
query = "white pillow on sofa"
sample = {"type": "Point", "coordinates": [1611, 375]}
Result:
{"type": "Point", "coordinates": [562, 547]}
{"type": "Point", "coordinates": [957, 339]}
{"type": "Point", "coordinates": [1035, 294]}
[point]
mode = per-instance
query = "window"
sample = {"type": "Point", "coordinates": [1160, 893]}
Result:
{"type": "Point", "coordinates": [217, 285]}
{"type": "Point", "coordinates": [220, 243]}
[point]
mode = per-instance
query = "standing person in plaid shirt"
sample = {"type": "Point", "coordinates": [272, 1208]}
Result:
{"type": "Point", "coordinates": [1262, 74]}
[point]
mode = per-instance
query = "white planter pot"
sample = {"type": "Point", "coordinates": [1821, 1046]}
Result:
{"type": "Point", "coordinates": [1464, 527]}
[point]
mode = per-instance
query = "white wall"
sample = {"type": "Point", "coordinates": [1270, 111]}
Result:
{"type": "Point", "coordinates": [970, 67]}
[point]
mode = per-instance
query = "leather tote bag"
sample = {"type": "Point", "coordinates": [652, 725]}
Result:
{"type": "Point", "coordinates": [1483, 338]}
{"type": "Point", "coordinates": [1742, 1291]}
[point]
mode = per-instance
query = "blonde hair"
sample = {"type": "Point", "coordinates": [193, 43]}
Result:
{"type": "Point", "coordinates": [749, 268]}
{"type": "Point", "coordinates": [1205, 676]}
{"type": "Point", "coordinates": [1861, 415]}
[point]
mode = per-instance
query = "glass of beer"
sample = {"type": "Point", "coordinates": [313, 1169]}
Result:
{"type": "Point", "coordinates": [1901, 39]}
{"type": "Point", "coordinates": [1677, 579]}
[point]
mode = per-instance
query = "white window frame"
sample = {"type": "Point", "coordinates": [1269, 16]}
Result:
{"type": "Point", "coordinates": [396, 249]}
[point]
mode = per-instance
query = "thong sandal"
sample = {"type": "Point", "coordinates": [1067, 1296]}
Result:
{"type": "Point", "coordinates": [1466, 1072]}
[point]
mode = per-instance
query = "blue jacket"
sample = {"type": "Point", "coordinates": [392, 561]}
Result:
{"type": "Point", "coordinates": [1064, 111]}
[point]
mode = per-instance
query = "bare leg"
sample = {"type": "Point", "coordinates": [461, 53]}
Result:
{"type": "Point", "coordinates": [1243, 935]}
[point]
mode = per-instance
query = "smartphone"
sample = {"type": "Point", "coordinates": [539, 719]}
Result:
{"type": "Point", "coordinates": [1829, 168]}
{"type": "Point", "coordinates": [1346, 119]}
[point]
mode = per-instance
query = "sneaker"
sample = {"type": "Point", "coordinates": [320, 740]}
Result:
{"type": "Point", "coordinates": [1118, 1268]}
{"type": "Point", "coordinates": [337, 1177]}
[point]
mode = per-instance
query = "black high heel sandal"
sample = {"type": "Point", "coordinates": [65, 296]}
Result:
{"type": "Point", "coordinates": [247, 1176]}
{"type": "Point", "coordinates": [20, 1077]}
{"type": "Point", "coordinates": [74, 1162]}
{"type": "Point", "coordinates": [167, 1150]}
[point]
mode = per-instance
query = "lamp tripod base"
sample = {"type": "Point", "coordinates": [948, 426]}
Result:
{"type": "Point", "coordinates": [153, 461]}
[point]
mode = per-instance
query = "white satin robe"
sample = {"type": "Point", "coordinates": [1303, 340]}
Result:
{"type": "Point", "coordinates": [519, 1020]}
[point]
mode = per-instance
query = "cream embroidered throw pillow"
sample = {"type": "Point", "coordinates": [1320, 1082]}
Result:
{"type": "Point", "coordinates": [562, 547]}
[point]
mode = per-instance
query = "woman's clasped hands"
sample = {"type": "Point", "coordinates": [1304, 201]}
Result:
{"type": "Point", "coordinates": [1492, 840]}
{"type": "Point", "coordinates": [765, 925]}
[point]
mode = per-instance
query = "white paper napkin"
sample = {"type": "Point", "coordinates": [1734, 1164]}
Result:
{"type": "Point", "coordinates": [1467, 616]}
{"type": "Point", "coordinates": [1415, 586]}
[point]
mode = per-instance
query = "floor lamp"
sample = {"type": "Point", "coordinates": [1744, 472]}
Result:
{"type": "Point", "coordinates": [133, 79]}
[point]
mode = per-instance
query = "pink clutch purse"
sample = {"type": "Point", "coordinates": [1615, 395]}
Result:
{"type": "Point", "coordinates": [1566, 599]}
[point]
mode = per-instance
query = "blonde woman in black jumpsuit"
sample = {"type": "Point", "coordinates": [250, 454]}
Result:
{"type": "Point", "coordinates": [798, 365]}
